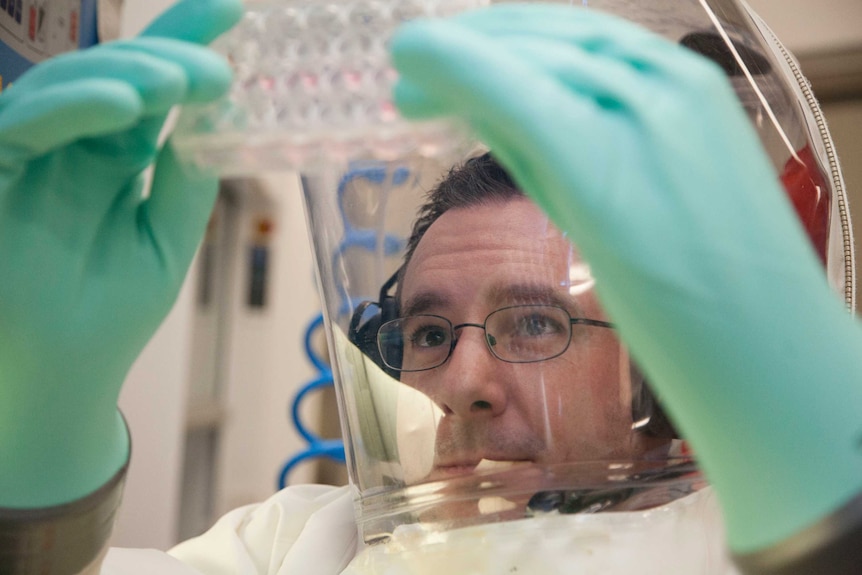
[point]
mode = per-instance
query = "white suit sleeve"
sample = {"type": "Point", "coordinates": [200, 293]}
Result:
{"type": "Point", "coordinates": [307, 529]}
{"type": "Point", "coordinates": [143, 562]}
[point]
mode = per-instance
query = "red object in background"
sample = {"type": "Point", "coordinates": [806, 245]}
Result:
{"type": "Point", "coordinates": [806, 186]}
{"type": "Point", "coordinates": [31, 25]}
{"type": "Point", "coordinates": [263, 227]}
{"type": "Point", "coordinates": [73, 26]}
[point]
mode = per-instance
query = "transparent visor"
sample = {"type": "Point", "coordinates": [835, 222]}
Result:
{"type": "Point", "coordinates": [478, 373]}
{"type": "Point", "coordinates": [478, 377]}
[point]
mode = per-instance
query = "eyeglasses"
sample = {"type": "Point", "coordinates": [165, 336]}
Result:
{"type": "Point", "coordinates": [515, 334]}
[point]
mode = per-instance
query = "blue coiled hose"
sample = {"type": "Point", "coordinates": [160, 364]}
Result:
{"type": "Point", "coordinates": [367, 239]}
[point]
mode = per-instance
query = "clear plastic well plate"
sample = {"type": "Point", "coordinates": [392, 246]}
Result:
{"type": "Point", "coordinates": [312, 83]}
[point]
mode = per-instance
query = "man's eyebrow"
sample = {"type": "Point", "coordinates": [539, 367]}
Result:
{"type": "Point", "coordinates": [422, 302]}
{"type": "Point", "coordinates": [530, 293]}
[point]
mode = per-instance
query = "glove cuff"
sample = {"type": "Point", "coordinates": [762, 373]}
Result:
{"type": "Point", "coordinates": [63, 539]}
{"type": "Point", "coordinates": [832, 544]}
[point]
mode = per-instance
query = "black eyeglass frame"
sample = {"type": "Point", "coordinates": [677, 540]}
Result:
{"type": "Point", "coordinates": [482, 326]}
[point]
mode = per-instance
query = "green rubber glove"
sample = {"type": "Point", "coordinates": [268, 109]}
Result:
{"type": "Point", "coordinates": [88, 267]}
{"type": "Point", "coordinates": [639, 149]}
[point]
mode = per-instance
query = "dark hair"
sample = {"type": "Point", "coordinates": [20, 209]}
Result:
{"type": "Point", "coordinates": [478, 181]}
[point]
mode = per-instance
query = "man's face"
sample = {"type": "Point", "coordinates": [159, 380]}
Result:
{"type": "Point", "coordinates": [575, 407]}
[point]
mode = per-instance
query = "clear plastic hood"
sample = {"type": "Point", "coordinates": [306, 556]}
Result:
{"type": "Point", "coordinates": [478, 378]}
{"type": "Point", "coordinates": [481, 379]}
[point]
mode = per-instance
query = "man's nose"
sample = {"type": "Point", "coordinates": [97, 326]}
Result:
{"type": "Point", "coordinates": [473, 379]}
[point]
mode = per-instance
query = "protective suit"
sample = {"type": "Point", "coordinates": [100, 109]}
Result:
{"type": "Point", "coordinates": [668, 239]}
{"type": "Point", "coordinates": [280, 535]}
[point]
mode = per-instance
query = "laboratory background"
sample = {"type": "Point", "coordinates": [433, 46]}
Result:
{"type": "Point", "coordinates": [209, 401]}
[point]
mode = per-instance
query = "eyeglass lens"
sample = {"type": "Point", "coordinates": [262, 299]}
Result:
{"type": "Point", "coordinates": [517, 334]}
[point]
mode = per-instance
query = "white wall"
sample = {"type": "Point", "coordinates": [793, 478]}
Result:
{"type": "Point", "coordinates": [137, 13]}
{"type": "Point", "coordinates": [845, 126]}
{"type": "Point", "coordinates": [267, 361]}
{"type": "Point", "coordinates": [154, 401]}
{"type": "Point", "coordinates": [805, 26]}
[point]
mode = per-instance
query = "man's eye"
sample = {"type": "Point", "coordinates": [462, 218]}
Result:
{"type": "Point", "coordinates": [536, 325]}
{"type": "Point", "coordinates": [429, 336]}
